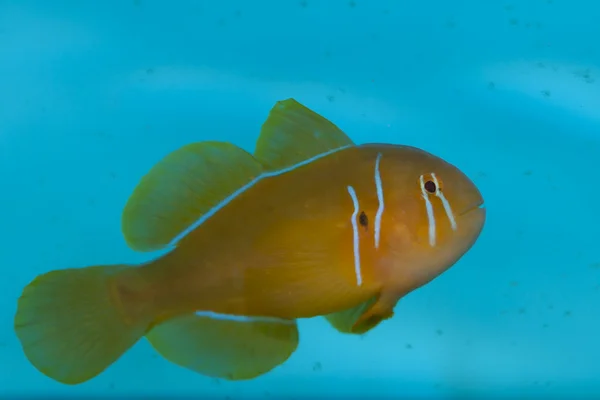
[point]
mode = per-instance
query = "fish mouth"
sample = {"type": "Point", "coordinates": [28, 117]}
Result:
{"type": "Point", "coordinates": [478, 206]}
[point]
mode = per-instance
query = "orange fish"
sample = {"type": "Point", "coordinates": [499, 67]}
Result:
{"type": "Point", "coordinates": [309, 225]}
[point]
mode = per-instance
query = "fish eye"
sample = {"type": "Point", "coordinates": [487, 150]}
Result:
{"type": "Point", "coordinates": [430, 186]}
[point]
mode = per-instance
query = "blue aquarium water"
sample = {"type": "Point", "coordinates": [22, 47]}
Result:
{"type": "Point", "coordinates": [93, 94]}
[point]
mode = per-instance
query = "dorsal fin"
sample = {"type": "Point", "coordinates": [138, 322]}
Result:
{"type": "Point", "coordinates": [183, 188]}
{"type": "Point", "coordinates": [293, 133]}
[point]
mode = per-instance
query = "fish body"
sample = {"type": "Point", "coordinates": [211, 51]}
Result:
{"type": "Point", "coordinates": [284, 247]}
{"type": "Point", "coordinates": [309, 225]}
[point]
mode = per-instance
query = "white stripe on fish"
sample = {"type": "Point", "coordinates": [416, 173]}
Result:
{"type": "Point", "coordinates": [242, 318]}
{"type": "Point", "coordinates": [445, 203]}
{"type": "Point", "coordinates": [228, 199]}
{"type": "Point", "coordinates": [430, 214]}
{"type": "Point", "coordinates": [356, 237]}
{"type": "Point", "coordinates": [379, 187]}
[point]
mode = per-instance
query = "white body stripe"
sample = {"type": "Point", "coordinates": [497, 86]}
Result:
{"type": "Point", "coordinates": [445, 203]}
{"type": "Point", "coordinates": [379, 187]}
{"type": "Point", "coordinates": [247, 186]}
{"type": "Point", "coordinates": [430, 214]}
{"type": "Point", "coordinates": [356, 238]}
{"type": "Point", "coordinates": [241, 318]}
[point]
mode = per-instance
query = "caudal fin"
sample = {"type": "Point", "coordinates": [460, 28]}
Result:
{"type": "Point", "coordinates": [71, 323]}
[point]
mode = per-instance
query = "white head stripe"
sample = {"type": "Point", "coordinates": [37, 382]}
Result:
{"type": "Point", "coordinates": [379, 187]}
{"type": "Point", "coordinates": [445, 203]}
{"type": "Point", "coordinates": [430, 215]}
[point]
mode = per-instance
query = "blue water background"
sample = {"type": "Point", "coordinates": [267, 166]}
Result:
{"type": "Point", "coordinates": [93, 93]}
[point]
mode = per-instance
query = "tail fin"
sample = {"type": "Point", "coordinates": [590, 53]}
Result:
{"type": "Point", "coordinates": [71, 323]}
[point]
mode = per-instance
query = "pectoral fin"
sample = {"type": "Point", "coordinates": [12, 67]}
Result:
{"type": "Point", "coordinates": [362, 318]}
{"type": "Point", "coordinates": [344, 320]}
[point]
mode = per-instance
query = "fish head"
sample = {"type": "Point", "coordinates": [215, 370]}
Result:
{"type": "Point", "coordinates": [437, 214]}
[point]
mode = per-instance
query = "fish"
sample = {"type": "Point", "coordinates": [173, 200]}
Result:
{"type": "Point", "coordinates": [308, 225]}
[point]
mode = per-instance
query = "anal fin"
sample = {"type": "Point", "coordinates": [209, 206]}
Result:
{"type": "Point", "coordinates": [227, 347]}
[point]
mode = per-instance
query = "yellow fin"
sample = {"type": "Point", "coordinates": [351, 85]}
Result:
{"type": "Point", "coordinates": [359, 319]}
{"type": "Point", "coordinates": [182, 189]}
{"type": "Point", "coordinates": [71, 325]}
{"type": "Point", "coordinates": [237, 348]}
{"type": "Point", "coordinates": [293, 133]}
